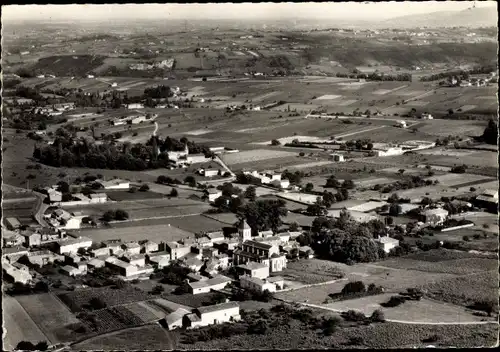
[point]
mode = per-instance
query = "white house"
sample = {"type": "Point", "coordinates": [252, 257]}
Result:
{"type": "Point", "coordinates": [17, 274]}
{"type": "Point", "coordinates": [138, 119]}
{"type": "Point", "coordinates": [11, 239]}
{"type": "Point", "coordinates": [209, 172]}
{"type": "Point", "coordinates": [71, 270]}
{"type": "Point", "coordinates": [150, 246]}
{"type": "Point", "coordinates": [135, 106]}
{"type": "Point", "coordinates": [213, 194]}
{"type": "Point", "coordinates": [256, 284]}
{"type": "Point", "coordinates": [254, 270]}
{"type": "Point", "coordinates": [216, 314]}
{"type": "Point", "coordinates": [115, 184]}
{"type": "Point", "coordinates": [401, 124]}
{"type": "Point", "coordinates": [434, 216]}
{"type": "Point", "coordinates": [216, 283]}
{"type": "Point", "coordinates": [72, 245]}
{"type": "Point", "coordinates": [159, 260]}
{"type": "Point", "coordinates": [387, 243]}
{"type": "Point", "coordinates": [131, 248]}
{"type": "Point", "coordinates": [426, 116]}
{"type": "Point", "coordinates": [174, 320]}
{"type": "Point", "coordinates": [135, 259]}
{"type": "Point", "coordinates": [98, 198]}
{"type": "Point", "coordinates": [337, 157]}
{"type": "Point", "coordinates": [95, 263]}
{"type": "Point", "coordinates": [122, 267]}
{"type": "Point", "coordinates": [178, 250]}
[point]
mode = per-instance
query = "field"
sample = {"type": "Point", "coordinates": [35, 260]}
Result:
{"type": "Point", "coordinates": [413, 311]}
{"type": "Point", "coordinates": [51, 315]}
{"type": "Point", "coordinates": [18, 325]}
{"type": "Point", "coordinates": [254, 156]}
{"type": "Point", "coordinates": [311, 271]}
{"type": "Point", "coordinates": [112, 297]}
{"type": "Point", "coordinates": [148, 208]}
{"type": "Point", "coordinates": [136, 231]}
{"type": "Point", "coordinates": [151, 337]}
{"type": "Point", "coordinates": [465, 290]}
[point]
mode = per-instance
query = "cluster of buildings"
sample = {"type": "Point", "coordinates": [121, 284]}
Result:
{"type": "Point", "coordinates": [270, 178]}
{"type": "Point", "coordinates": [135, 119]}
{"type": "Point", "coordinates": [56, 109]}
{"type": "Point", "coordinates": [184, 158]}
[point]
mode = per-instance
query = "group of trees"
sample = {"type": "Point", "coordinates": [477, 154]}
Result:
{"type": "Point", "coordinates": [375, 76]}
{"type": "Point", "coordinates": [413, 182]}
{"type": "Point", "coordinates": [117, 215]}
{"type": "Point", "coordinates": [345, 240]}
{"type": "Point", "coordinates": [490, 134]}
{"type": "Point", "coordinates": [462, 74]}
{"type": "Point", "coordinates": [68, 151]}
{"type": "Point", "coordinates": [359, 144]}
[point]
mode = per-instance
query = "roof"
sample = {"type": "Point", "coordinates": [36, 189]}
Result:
{"type": "Point", "coordinates": [196, 277]}
{"type": "Point", "coordinates": [275, 279]}
{"type": "Point", "coordinates": [98, 195]}
{"type": "Point", "coordinates": [255, 280]}
{"type": "Point", "coordinates": [219, 279]}
{"type": "Point", "coordinates": [244, 225]}
{"type": "Point", "coordinates": [215, 235]}
{"type": "Point", "coordinates": [175, 316]}
{"type": "Point", "coordinates": [96, 261]}
{"type": "Point", "coordinates": [14, 250]}
{"type": "Point", "coordinates": [435, 211]}
{"type": "Point", "coordinates": [490, 193]}
{"type": "Point", "coordinates": [218, 307]}
{"type": "Point", "coordinates": [193, 317]}
{"type": "Point", "coordinates": [119, 262]}
{"type": "Point", "coordinates": [13, 221]}
{"type": "Point", "coordinates": [77, 240]}
{"type": "Point", "coordinates": [253, 266]}
{"type": "Point", "coordinates": [386, 239]}
{"type": "Point", "coordinates": [132, 245]}
{"type": "Point", "coordinates": [69, 268]}
{"type": "Point", "coordinates": [257, 244]}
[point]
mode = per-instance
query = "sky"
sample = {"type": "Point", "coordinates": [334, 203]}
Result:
{"type": "Point", "coordinates": [350, 10]}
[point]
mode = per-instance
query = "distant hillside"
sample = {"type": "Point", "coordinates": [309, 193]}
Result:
{"type": "Point", "coordinates": [474, 17]}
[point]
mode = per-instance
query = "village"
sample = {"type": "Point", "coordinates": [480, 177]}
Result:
{"type": "Point", "coordinates": [207, 186]}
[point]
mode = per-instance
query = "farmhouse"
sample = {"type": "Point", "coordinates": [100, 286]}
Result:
{"type": "Point", "coordinates": [426, 116]}
{"type": "Point", "coordinates": [121, 267]}
{"type": "Point", "coordinates": [216, 314]}
{"type": "Point", "coordinates": [215, 237]}
{"type": "Point", "coordinates": [382, 149]}
{"type": "Point", "coordinates": [267, 233]}
{"type": "Point", "coordinates": [12, 254]}
{"type": "Point", "coordinates": [255, 284]}
{"type": "Point", "coordinates": [213, 194]}
{"type": "Point", "coordinates": [178, 250]}
{"type": "Point", "coordinates": [159, 260]}
{"type": "Point", "coordinates": [434, 216]}
{"type": "Point", "coordinates": [150, 246]}
{"type": "Point", "coordinates": [253, 269]}
{"type": "Point", "coordinates": [387, 243]}
{"type": "Point", "coordinates": [54, 195]}
{"type": "Point", "coordinates": [72, 245]}
{"type": "Point", "coordinates": [95, 263]}
{"type": "Point", "coordinates": [131, 248]}
{"type": "Point", "coordinates": [115, 184]}
{"type": "Point", "coordinates": [135, 106]}
{"type": "Point", "coordinates": [174, 319]}
{"type": "Point", "coordinates": [12, 223]}
{"type": "Point", "coordinates": [71, 270]}
{"type": "Point", "coordinates": [337, 157]}
{"type": "Point", "coordinates": [216, 283]}
{"type": "Point", "coordinates": [488, 199]}
{"type": "Point", "coordinates": [136, 259]}
{"type": "Point", "coordinates": [11, 239]}
{"type": "Point", "coordinates": [17, 275]}
{"type": "Point", "coordinates": [98, 198]}
{"type": "Point", "coordinates": [44, 257]}
{"type": "Point", "coordinates": [209, 172]}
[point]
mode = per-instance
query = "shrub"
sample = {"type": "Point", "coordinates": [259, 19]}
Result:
{"type": "Point", "coordinates": [485, 306]}
{"type": "Point", "coordinates": [257, 328]}
{"type": "Point", "coordinates": [377, 316]}
{"type": "Point", "coordinates": [275, 142]}
{"type": "Point", "coordinates": [144, 188]}
{"type": "Point", "coordinates": [394, 301]}
{"type": "Point", "coordinates": [132, 189]}
{"type": "Point", "coordinates": [354, 287]}
{"type": "Point", "coordinates": [353, 315]}
{"type": "Point", "coordinates": [466, 238]}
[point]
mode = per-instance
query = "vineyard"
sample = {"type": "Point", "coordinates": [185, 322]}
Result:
{"type": "Point", "coordinates": [79, 300]}
{"type": "Point", "coordinates": [144, 312]}
{"type": "Point", "coordinates": [110, 319]}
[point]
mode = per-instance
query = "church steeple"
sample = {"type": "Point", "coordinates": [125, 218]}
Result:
{"type": "Point", "coordinates": [244, 231]}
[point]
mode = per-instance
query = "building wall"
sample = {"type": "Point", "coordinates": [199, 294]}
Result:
{"type": "Point", "coordinates": [277, 264]}
{"type": "Point", "coordinates": [260, 273]}
{"type": "Point", "coordinates": [180, 252]}
{"type": "Point", "coordinates": [219, 317]}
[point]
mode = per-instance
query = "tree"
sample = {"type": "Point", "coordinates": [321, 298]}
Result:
{"type": "Point", "coordinates": [332, 182]}
{"type": "Point", "coordinates": [173, 192]}
{"type": "Point", "coordinates": [353, 287]}
{"type": "Point", "coordinates": [41, 286]}
{"type": "Point", "coordinates": [25, 346]}
{"type": "Point", "coordinates": [348, 184]}
{"type": "Point", "coordinates": [377, 316]}
{"type": "Point", "coordinates": [144, 188]}
{"type": "Point", "coordinates": [316, 210]}
{"type": "Point", "coordinates": [395, 209]}
{"type": "Point", "coordinates": [401, 171]}
{"type": "Point", "coordinates": [190, 180]}
{"type": "Point", "coordinates": [309, 187]}
{"type": "Point", "coordinates": [121, 215]}
{"type": "Point", "coordinates": [394, 198]}
{"type": "Point", "coordinates": [132, 189]}
{"type": "Point", "coordinates": [293, 226]}
{"type": "Point", "coordinates": [158, 289]}
{"type": "Point", "coordinates": [250, 193]}
{"type": "Point", "coordinates": [263, 214]}
{"type": "Point", "coordinates": [275, 142]}
{"type": "Point", "coordinates": [490, 134]}
{"type": "Point", "coordinates": [97, 303]}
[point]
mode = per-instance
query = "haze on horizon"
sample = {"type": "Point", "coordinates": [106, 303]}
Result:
{"type": "Point", "coordinates": [245, 11]}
